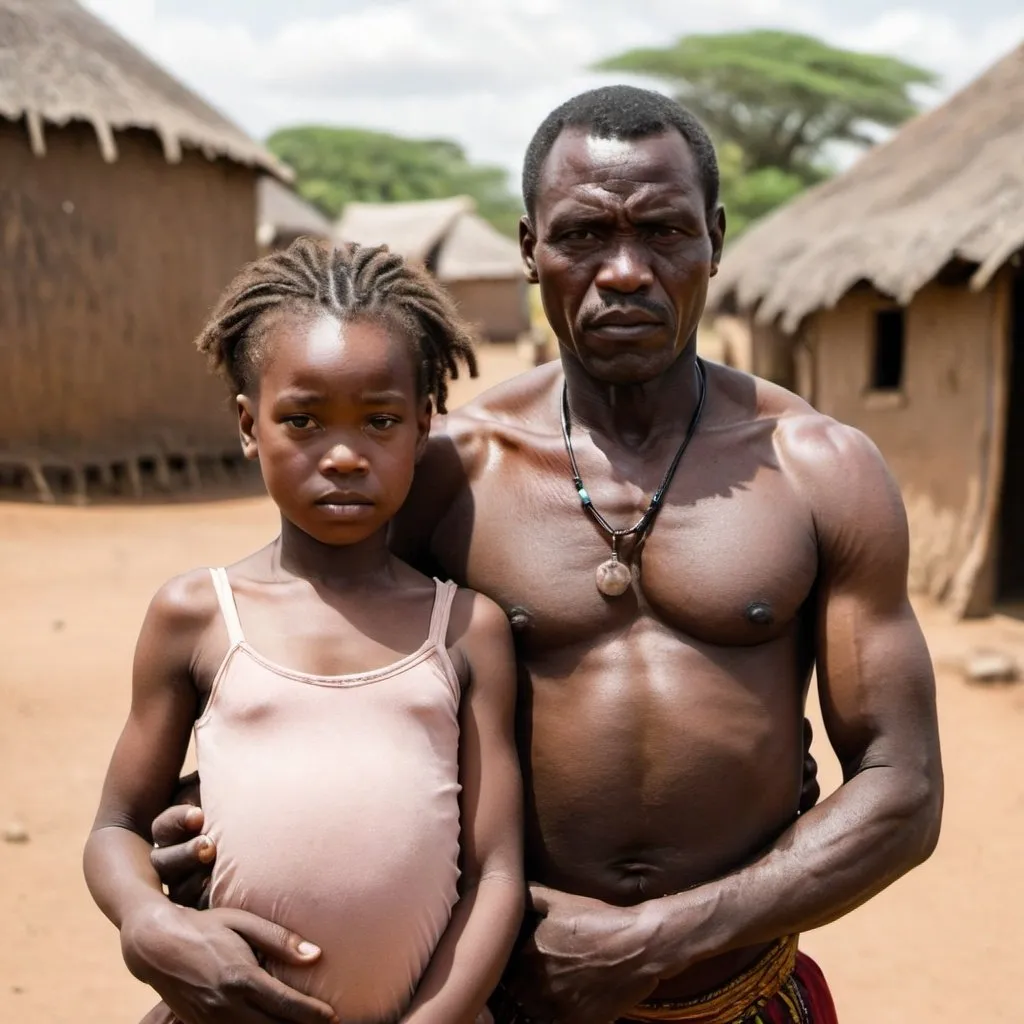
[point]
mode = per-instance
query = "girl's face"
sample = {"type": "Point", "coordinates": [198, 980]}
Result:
{"type": "Point", "coordinates": [337, 423]}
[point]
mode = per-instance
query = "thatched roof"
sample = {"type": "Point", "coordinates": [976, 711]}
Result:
{"type": "Point", "coordinates": [280, 211]}
{"type": "Point", "coordinates": [948, 186]}
{"type": "Point", "coordinates": [465, 246]}
{"type": "Point", "coordinates": [411, 229]}
{"type": "Point", "coordinates": [474, 250]}
{"type": "Point", "coordinates": [59, 63]}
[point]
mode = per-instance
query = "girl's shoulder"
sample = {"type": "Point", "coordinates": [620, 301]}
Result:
{"type": "Point", "coordinates": [189, 600]}
{"type": "Point", "coordinates": [186, 603]}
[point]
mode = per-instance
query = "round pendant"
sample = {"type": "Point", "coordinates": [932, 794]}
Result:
{"type": "Point", "coordinates": [613, 578]}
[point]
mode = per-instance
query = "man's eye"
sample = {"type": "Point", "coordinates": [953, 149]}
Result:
{"type": "Point", "coordinates": [299, 422]}
{"type": "Point", "coordinates": [383, 422]}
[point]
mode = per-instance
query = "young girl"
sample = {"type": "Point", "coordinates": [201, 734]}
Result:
{"type": "Point", "coordinates": [364, 703]}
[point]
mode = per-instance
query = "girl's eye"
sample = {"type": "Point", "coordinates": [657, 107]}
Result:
{"type": "Point", "coordinates": [383, 422]}
{"type": "Point", "coordinates": [299, 422]}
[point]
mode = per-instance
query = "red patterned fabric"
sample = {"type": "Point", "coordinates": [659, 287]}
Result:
{"type": "Point", "coordinates": [804, 999]}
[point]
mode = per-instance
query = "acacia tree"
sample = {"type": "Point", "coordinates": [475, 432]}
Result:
{"type": "Point", "coordinates": [334, 166]}
{"type": "Point", "coordinates": [775, 101]}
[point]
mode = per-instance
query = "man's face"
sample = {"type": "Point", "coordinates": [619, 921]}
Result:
{"type": "Point", "coordinates": [621, 245]}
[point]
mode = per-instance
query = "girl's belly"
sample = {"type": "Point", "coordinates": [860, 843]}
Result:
{"type": "Point", "coordinates": [352, 846]}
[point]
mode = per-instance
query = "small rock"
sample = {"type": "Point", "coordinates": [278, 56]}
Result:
{"type": "Point", "coordinates": [991, 667]}
{"type": "Point", "coordinates": [15, 832]}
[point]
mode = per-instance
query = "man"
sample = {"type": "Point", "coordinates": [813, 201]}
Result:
{"type": "Point", "coordinates": [664, 669]}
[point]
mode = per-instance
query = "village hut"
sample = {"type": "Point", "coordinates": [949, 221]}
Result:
{"type": "Point", "coordinates": [892, 297]}
{"type": "Point", "coordinates": [284, 216]}
{"type": "Point", "coordinates": [480, 267]}
{"type": "Point", "coordinates": [126, 205]}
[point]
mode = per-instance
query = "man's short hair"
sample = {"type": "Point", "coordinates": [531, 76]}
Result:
{"type": "Point", "coordinates": [621, 112]}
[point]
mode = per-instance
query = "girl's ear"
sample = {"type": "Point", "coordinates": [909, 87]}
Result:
{"type": "Point", "coordinates": [423, 419]}
{"type": "Point", "coordinates": [247, 426]}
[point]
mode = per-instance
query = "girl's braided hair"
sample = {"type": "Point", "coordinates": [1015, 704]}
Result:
{"type": "Point", "coordinates": [352, 282]}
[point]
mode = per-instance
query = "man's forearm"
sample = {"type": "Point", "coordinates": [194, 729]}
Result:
{"type": "Point", "coordinates": [874, 829]}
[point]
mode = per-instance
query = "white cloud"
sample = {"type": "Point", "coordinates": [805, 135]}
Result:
{"type": "Point", "coordinates": [486, 73]}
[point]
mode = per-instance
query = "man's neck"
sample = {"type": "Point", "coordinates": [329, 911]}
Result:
{"type": "Point", "coordinates": [636, 415]}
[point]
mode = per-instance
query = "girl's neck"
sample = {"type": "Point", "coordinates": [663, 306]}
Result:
{"type": "Point", "coordinates": [299, 554]}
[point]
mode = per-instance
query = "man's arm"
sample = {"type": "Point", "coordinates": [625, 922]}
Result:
{"type": "Point", "coordinates": [877, 694]}
{"type": "Point", "coordinates": [472, 952]}
{"type": "Point", "coordinates": [594, 962]}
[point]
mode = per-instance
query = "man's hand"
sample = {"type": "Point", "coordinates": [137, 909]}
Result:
{"type": "Point", "coordinates": [183, 857]}
{"type": "Point", "coordinates": [203, 966]}
{"type": "Point", "coordinates": [586, 962]}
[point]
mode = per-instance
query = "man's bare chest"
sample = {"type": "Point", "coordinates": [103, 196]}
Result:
{"type": "Point", "coordinates": [725, 563]}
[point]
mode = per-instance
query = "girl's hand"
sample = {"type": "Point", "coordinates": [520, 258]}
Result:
{"type": "Point", "coordinates": [203, 966]}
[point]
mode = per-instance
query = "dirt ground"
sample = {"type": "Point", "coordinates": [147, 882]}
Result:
{"type": "Point", "coordinates": [940, 945]}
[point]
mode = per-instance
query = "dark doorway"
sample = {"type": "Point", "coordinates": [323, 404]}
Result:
{"type": "Point", "coordinates": [1010, 567]}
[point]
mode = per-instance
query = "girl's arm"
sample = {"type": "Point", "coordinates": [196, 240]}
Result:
{"type": "Point", "coordinates": [200, 963]}
{"type": "Point", "coordinates": [147, 759]}
{"type": "Point", "coordinates": [472, 953]}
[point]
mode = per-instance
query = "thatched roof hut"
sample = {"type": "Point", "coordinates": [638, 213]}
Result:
{"type": "Point", "coordinates": [949, 187]}
{"type": "Point", "coordinates": [414, 230]}
{"type": "Point", "coordinates": [127, 204]}
{"type": "Point", "coordinates": [480, 267]}
{"type": "Point", "coordinates": [283, 216]}
{"type": "Point", "coordinates": [59, 64]}
{"type": "Point", "coordinates": [892, 297]}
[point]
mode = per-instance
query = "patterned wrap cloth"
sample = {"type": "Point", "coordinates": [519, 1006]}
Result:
{"type": "Point", "coordinates": [784, 987]}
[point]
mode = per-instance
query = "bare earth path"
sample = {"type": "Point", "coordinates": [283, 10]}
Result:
{"type": "Point", "coordinates": [943, 945]}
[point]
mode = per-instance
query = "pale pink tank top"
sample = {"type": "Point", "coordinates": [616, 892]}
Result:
{"type": "Point", "coordinates": [334, 803]}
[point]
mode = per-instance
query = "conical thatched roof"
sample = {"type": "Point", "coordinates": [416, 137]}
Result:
{"type": "Point", "coordinates": [467, 247]}
{"type": "Point", "coordinates": [949, 185]}
{"type": "Point", "coordinates": [474, 250]}
{"type": "Point", "coordinates": [280, 210]}
{"type": "Point", "coordinates": [59, 63]}
{"type": "Point", "coordinates": [411, 229]}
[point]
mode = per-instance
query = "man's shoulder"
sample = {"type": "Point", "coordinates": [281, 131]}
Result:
{"type": "Point", "coordinates": [511, 401]}
{"type": "Point", "coordinates": [835, 467]}
{"type": "Point", "coordinates": [508, 406]}
{"type": "Point", "coordinates": [824, 459]}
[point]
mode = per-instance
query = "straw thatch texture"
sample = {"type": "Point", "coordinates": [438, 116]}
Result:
{"type": "Point", "coordinates": [480, 267]}
{"type": "Point", "coordinates": [413, 230]}
{"type": "Point", "coordinates": [284, 215]}
{"type": "Point", "coordinates": [474, 250]}
{"type": "Point", "coordinates": [948, 186]}
{"type": "Point", "coordinates": [59, 63]}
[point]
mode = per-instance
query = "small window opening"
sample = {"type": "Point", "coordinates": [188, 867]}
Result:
{"type": "Point", "coordinates": [887, 372]}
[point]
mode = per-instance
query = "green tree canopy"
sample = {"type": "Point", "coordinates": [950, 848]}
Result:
{"type": "Point", "coordinates": [779, 99]}
{"type": "Point", "coordinates": [335, 166]}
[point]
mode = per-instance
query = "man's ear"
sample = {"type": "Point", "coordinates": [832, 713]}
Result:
{"type": "Point", "coordinates": [247, 426]}
{"type": "Point", "coordinates": [527, 244]}
{"type": "Point", "coordinates": [716, 229]}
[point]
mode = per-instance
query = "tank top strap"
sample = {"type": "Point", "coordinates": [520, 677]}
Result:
{"type": "Point", "coordinates": [443, 597]}
{"type": "Point", "coordinates": [228, 608]}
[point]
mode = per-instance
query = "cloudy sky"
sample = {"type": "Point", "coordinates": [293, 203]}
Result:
{"type": "Point", "coordinates": [485, 72]}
